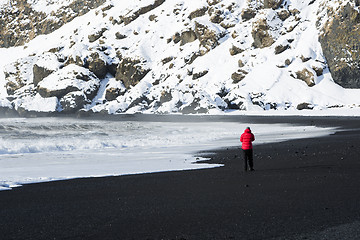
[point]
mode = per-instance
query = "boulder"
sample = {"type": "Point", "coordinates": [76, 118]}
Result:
{"type": "Point", "coordinates": [112, 93]}
{"type": "Point", "coordinates": [187, 37]}
{"type": "Point", "coordinates": [248, 13]}
{"type": "Point", "coordinates": [71, 78]}
{"type": "Point", "coordinates": [73, 101]}
{"type": "Point", "coordinates": [261, 35]}
{"type": "Point", "coordinates": [234, 50]}
{"type": "Point", "coordinates": [306, 76]}
{"type": "Point", "coordinates": [45, 64]}
{"type": "Point", "coordinates": [217, 17]}
{"type": "Point", "coordinates": [213, 2]}
{"type": "Point", "coordinates": [340, 43]}
{"type": "Point", "coordinates": [284, 14]}
{"type": "Point", "coordinates": [194, 108]}
{"type": "Point", "coordinates": [130, 72]}
{"type": "Point", "coordinates": [114, 89]}
{"type": "Point", "coordinates": [167, 60]}
{"type": "Point", "coordinates": [208, 38]}
{"type": "Point", "coordinates": [303, 106]}
{"type": "Point", "coordinates": [97, 65]}
{"type": "Point", "coordinates": [241, 63]}
{"type": "Point", "coordinates": [120, 36]}
{"type": "Point", "coordinates": [143, 102]}
{"type": "Point", "coordinates": [238, 76]}
{"type": "Point", "coordinates": [281, 48]}
{"type": "Point", "coordinates": [274, 4]}
{"type": "Point", "coordinates": [18, 74]}
{"type": "Point", "coordinates": [199, 74]}
{"type": "Point", "coordinates": [165, 97]}
{"type": "Point", "coordinates": [318, 70]}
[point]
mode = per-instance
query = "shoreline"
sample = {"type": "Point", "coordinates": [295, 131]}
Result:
{"type": "Point", "coordinates": [301, 188]}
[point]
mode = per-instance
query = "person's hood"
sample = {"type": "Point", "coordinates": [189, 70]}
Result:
{"type": "Point", "coordinates": [247, 131]}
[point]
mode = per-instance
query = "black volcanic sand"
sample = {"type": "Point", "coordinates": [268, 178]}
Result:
{"type": "Point", "coordinates": [301, 189]}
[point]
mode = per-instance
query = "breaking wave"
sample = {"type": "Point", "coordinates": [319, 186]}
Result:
{"type": "Point", "coordinates": [18, 136]}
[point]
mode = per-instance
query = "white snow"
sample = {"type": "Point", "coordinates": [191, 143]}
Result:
{"type": "Point", "coordinates": [48, 149]}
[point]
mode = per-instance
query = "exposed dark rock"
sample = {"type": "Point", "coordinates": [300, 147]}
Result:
{"type": "Point", "coordinates": [306, 76]}
{"type": "Point", "coordinates": [281, 48]}
{"type": "Point", "coordinates": [304, 59]}
{"type": "Point", "coordinates": [207, 37]}
{"type": "Point", "coordinates": [199, 74]}
{"type": "Point", "coordinates": [248, 13]}
{"type": "Point", "coordinates": [234, 50]}
{"type": "Point", "coordinates": [241, 64]}
{"type": "Point", "coordinates": [45, 92]}
{"type": "Point", "coordinates": [69, 80]}
{"type": "Point", "coordinates": [16, 74]}
{"type": "Point", "coordinates": [95, 36]}
{"type": "Point", "coordinates": [152, 17]}
{"type": "Point", "coordinates": [166, 60]}
{"type": "Point", "coordinates": [141, 11]}
{"type": "Point", "coordinates": [77, 61]}
{"type": "Point", "coordinates": [187, 37]}
{"type": "Point", "coordinates": [176, 38]}
{"type": "Point", "coordinates": [119, 36]}
{"type": "Point", "coordinates": [39, 73]}
{"type": "Point", "coordinates": [191, 58]}
{"type": "Point", "coordinates": [303, 106]}
{"type": "Point", "coordinates": [340, 44]}
{"type": "Point", "coordinates": [165, 97]}
{"type": "Point", "coordinates": [112, 93]}
{"type": "Point", "coordinates": [318, 70]}
{"type": "Point", "coordinates": [217, 17]}
{"type": "Point", "coordinates": [274, 4]}
{"type": "Point", "coordinates": [213, 2]}
{"type": "Point", "coordinates": [142, 101]}
{"type": "Point", "coordinates": [73, 102]}
{"type": "Point", "coordinates": [194, 107]}
{"type": "Point", "coordinates": [97, 65]}
{"type": "Point", "coordinates": [261, 36]}
{"type": "Point", "coordinates": [284, 14]}
{"type": "Point", "coordinates": [130, 72]}
{"type": "Point", "coordinates": [22, 23]}
{"type": "Point", "coordinates": [288, 61]}
{"type": "Point", "coordinates": [237, 77]}
{"type": "Point", "coordinates": [198, 13]}
{"type": "Point", "coordinates": [112, 68]}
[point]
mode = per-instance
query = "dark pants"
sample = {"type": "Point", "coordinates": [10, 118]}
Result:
{"type": "Point", "coordinates": [248, 159]}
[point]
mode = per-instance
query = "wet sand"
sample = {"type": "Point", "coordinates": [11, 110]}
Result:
{"type": "Point", "coordinates": [301, 189]}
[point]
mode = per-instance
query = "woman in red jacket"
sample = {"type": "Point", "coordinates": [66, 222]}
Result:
{"type": "Point", "coordinates": [247, 138]}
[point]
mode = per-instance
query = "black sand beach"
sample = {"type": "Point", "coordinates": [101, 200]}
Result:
{"type": "Point", "coordinates": [301, 189]}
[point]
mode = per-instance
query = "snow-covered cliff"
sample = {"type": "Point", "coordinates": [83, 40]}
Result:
{"type": "Point", "coordinates": [158, 56]}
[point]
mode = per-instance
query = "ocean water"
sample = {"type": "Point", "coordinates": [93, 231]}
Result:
{"type": "Point", "coordinates": [46, 149]}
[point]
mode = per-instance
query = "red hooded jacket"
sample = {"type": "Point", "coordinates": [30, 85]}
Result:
{"type": "Point", "coordinates": [247, 138]}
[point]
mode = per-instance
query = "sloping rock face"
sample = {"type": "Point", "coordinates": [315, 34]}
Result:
{"type": "Point", "coordinates": [341, 46]}
{"type": "Point", "coordinates": [22, 23]}
{"type": "Point", "coordinates": [69, 79]}
{"type": "Point", "coordinates": [130, 72]}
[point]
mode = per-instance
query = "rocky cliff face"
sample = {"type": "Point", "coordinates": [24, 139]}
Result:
{"type": "Point", "coordinates": [340, 42]}
{"type": "Point", "coordinates": [21, 23]}
{"type": "Point", "coordinates": [162, 56]}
